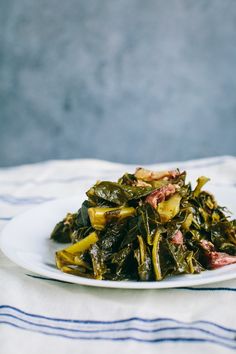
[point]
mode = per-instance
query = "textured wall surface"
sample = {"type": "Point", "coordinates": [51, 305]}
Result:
{"type": "Point", "coordinates": [131, 81]}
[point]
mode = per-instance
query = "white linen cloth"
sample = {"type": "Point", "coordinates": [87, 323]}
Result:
{"type": "Point", "coordinates": [38, 315]}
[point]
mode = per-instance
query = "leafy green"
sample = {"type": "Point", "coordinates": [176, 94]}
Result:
{"type": "Point", "coordinates": [144, 260]}
{"type": "Point", "coordinates": [63, 230]}
{"type": "Point", "coordinates": [121, 232]}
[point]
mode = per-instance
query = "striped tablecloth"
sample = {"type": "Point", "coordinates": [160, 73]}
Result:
{"type": "Point", "coordinates": [38, 315]}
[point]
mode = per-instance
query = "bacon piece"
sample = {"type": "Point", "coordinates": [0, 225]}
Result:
{"type": "Point", "coordinates": [147, 175]}
{"type": "Point", "coordinates": [160, 195]}
{"type": "Point", "coordinates": [220, 259]}
{"type": "Point", "coordinates": [177, 238]}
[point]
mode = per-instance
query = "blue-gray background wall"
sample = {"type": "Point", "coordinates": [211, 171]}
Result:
{"type": "Point", "coordinates": [124, 80]}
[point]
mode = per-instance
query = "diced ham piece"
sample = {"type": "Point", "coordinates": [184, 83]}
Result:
{"type": "Point", "coordinates": [160, 195]}
{"type": "Point", "coordinates": [177, 238]}
{"type": "Point", "coordinates": [220, 259]}
{"type": "Point", "coordinates": [147, 175]}
{"type": "Point", "coordinates": [216, 259]}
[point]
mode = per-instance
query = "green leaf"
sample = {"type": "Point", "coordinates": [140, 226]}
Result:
{"type": "Point", "coordinates": [116, 193]}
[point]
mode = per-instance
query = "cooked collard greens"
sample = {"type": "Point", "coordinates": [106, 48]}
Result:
{"type": "Point", "coordinates": [145, 227]}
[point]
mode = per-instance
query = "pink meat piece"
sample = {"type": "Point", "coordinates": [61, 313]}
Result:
{"type": "Point", "coordinates": [160, 195]}
{"type": "Point", "coordinates": [177, 238]}
{"type": "Point", "coordinates": [220, 259]}
{"type": "Point", "coordinates": [216, 259]}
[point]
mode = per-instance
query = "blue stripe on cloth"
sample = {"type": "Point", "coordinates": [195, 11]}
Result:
{"type": "Point", "coordinates": [105, 172]}
{"type": "Point", "coordinates": [6, 218]}
{"type": "Point", "coordinates": [9, 199]}
{"type": "Point", "coordinates": [126, 320]}
{"type": "Point", "coordinates": [125, 329]}
{"type": "Point", "coordinates": [206, 289]}
{"type": "Point", "coordinates": [132, 338]}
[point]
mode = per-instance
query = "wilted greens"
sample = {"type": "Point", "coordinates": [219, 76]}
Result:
{"type": "Point", "coordinates": [145, 227]}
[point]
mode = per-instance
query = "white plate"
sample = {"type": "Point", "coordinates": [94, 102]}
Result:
{"type": "Point", "coordinates": [25, 240]}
